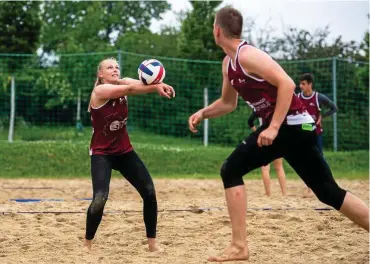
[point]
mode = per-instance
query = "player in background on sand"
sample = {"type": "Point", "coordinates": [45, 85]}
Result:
{"type": "Point", "coordinates": [315, 103]}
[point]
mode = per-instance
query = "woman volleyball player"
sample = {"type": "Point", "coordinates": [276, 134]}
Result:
{"type": "Point", "coordinates": [110, 146]}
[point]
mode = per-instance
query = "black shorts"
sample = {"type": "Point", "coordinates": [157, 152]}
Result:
{"type": "Point", "coordinates": [296, 143]}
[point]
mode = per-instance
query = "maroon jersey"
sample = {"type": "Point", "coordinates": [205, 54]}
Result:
{"type": "Point", "coordinates": [313, 108]}
{"type": "Point", "coordinates": [261, 95]}
{"type": "Point", "coordinates": [109, 128]}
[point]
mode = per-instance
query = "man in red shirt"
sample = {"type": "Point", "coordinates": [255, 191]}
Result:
{"type": "Point", "coordinates": [315, 103]}
{"type": "Point", "coordinates": [289, 131]}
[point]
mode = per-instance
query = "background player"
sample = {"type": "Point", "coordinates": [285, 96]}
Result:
{"type": "Point", "coordinates": [315, 103]}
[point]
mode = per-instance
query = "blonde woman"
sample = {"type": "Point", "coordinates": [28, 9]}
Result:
{"type": "Point", "coordinates": [111, 148]}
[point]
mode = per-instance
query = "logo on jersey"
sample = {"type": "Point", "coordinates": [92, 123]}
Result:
{"type": "Point", "coordinates": [312, 104]}
{"type": "Point", "coordinates": [239, 80]}
{"type": "Point", "coordinates": [259, 105]}
{"type": "Point", "coordinates": [116, 125]}
{"type": "Point", "coordinates": [121, 101]}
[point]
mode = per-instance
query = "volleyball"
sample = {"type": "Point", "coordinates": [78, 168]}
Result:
{"type": "Point", "coordinates": [151, 71]}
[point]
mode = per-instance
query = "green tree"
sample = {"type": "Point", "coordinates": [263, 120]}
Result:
{"type": "Point", "coordinates": [19, 33]}
{"type": "Point", "coordinates": [147, 42]}
{"type": "Point", "coordinates": [363, 54]}
{"type": "Point", "coordinates": [91, 26]}
{"type": "Point", "coordinates": [19, 26]}
{"type": "Point", "coordinates": [196, 39]}
{"type": "Point", "coordinates": [302, 44]}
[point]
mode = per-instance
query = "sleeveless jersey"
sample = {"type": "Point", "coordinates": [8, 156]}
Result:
{"type": "Point", "coordinates": [313, 108]}
{"type": "Point", "coordinates": [261, 95]}
{"type": "Point", "coordinates": [110, 136]}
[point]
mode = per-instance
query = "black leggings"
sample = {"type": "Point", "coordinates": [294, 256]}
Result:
{"type": "Point", "coordinates": [298, 145]}
{"type": "Point", "coordinates": [134, 170]}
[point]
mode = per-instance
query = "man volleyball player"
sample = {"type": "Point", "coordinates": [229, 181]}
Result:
{"type": "Point", "coordinates": [289, 131]}
{"type": "Point", "coordinates": [314, 103]}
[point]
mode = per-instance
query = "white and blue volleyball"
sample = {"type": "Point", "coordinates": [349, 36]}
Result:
{"type": "Point", "coordinates": [151, 72]}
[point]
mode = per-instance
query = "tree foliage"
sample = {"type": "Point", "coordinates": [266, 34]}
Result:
{"type": "Point", "coordinates": [19, 26]}
{"type": "Point", "coordinates": [87, 26]}
{"type": "Point", "coordinates": [196, 38]}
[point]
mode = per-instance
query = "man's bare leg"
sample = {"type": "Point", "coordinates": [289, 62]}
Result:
{"type": "Point", "coordinates": [237, 207]}
{"type": "Point", "coordinates": [278, 165]}
{"type": "Point", "coordinates": [266, 179]}
{"type": "Point", "coordinates": [356, 210]}
{"type": "Point", "coordinates": [308, 193]}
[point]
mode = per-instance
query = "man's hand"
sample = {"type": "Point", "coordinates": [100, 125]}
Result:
{"type": "Point", "coordinates": [267, 136]}
{"type": "Point", "coordinates": [195, 120]}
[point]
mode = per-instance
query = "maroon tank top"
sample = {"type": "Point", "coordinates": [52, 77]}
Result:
{"type": "Point", "coordinates": [261, 95]}
{"type": "Point", "coordinates": [110, 135]}
{"type": "Point", "coordinates": [311, 103]}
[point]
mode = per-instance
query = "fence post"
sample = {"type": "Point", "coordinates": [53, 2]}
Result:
{"type": "Point", "coordinates": [334, 74]}
{"type": "Point", "coordinates": [120, 61]}
{"type": "Point", "coordinates": [79, 126]}
{"type": "Point", "coordinates": [205, 134]}
{"type": "Point", "coordinates": [119, 55]}
{"type": "Point", "coordinates": [12, 110]}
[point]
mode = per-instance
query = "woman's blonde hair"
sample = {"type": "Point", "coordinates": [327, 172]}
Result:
{"type": "Point", "coordinates": [98, 80]}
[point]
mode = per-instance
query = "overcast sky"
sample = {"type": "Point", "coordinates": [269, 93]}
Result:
{"type": "Point", "coordinates": [346, 18]}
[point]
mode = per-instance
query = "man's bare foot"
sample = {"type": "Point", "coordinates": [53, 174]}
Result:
{"type": "Point", "coordinates": [87, 244]}
{"type": "Point", "coordinates": [153, 246]}
{"type": "Point", "coordinates": [232, 252]}
{"type": "Point", "coordinates": [308, 193]}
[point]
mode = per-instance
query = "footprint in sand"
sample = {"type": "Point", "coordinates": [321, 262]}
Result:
{"type": "Point", "coordinates": [61, 219]}
{"type": "Point", "coordinates": [322, 227]}
{"type": "Point", "coordinates": [167, 243]}
{"type": "Point", "coordinates": [295, 219]}
{"type": "Point", "coordinates": [277, 216]}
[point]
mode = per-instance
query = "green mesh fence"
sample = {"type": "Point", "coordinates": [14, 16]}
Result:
{"type": "Point", "coordinates": [53, 93]}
